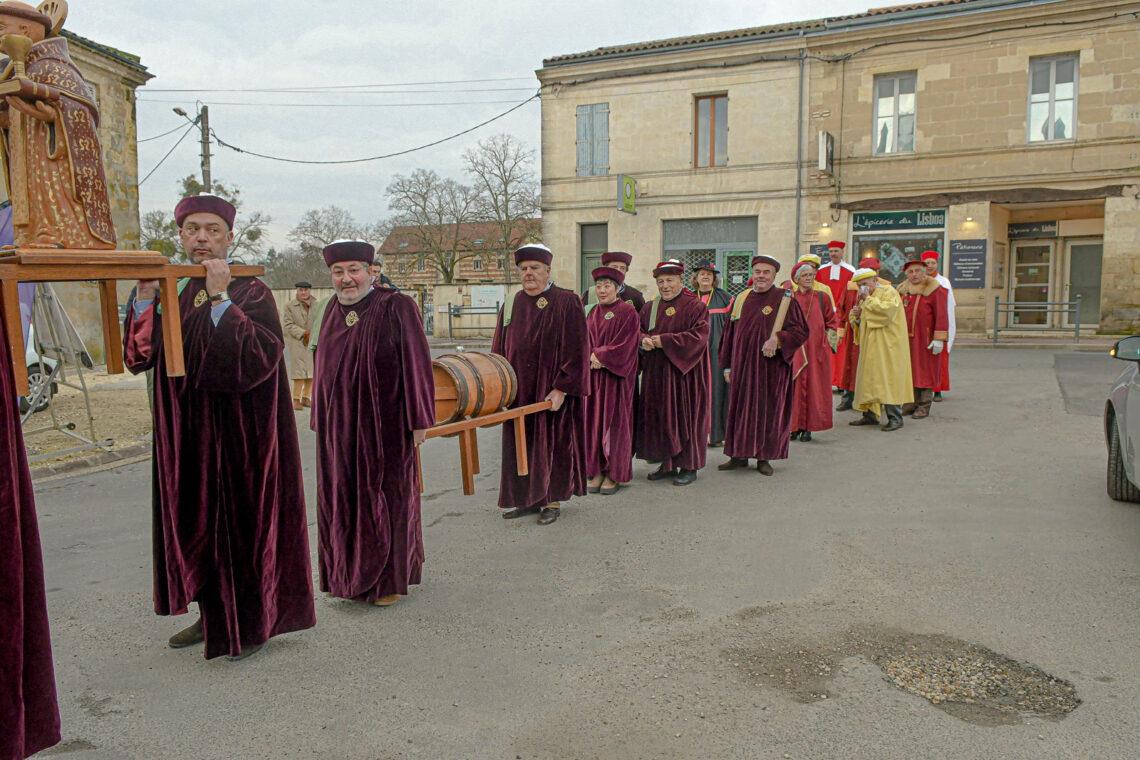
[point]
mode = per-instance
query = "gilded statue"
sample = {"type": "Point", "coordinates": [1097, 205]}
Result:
{"type": "Point", "coordinates": [53, 163]}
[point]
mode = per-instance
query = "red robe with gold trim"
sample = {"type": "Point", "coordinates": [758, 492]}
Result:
{"type": "Point", "coordinates": [926, 320]}
{"type": "Point", "coordinates": [811, 403]}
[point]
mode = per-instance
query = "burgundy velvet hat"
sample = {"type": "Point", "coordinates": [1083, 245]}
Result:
{"type": "Point", "coordinates": [764, 258]}
{"type": "Point", "coordinates": [349, 250]}
{"type": "Point", "coordinates": [204, 203]}
{"type": "Point", "coordinates": [672, 266]}
{"type": "Point", "coordinates": [612, 256]}
{"type": "Point", "coordinates": [911, 263]}
{"type": "Point", "coordinates": [608, 273]}
{"type": "Point", "coordinates": [534, 252]}
{"type": "Point", "coordinates": [870, 263]}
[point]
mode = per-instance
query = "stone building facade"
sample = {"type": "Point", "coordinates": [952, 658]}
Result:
{"type": "Point", "coordinates": [1003, 133]}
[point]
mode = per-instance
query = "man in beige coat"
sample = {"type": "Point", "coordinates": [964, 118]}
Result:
{"type": "Point", "coordinates": [297, 321]}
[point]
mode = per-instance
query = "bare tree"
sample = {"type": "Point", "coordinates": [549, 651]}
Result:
{"type": "Point", "coordinates": [502, 167]}
{"type": "Point", "coordinates": [435, 211]}
{"type": "Point", "coordinates": [319, 227]}
{"type": "Point", "coordinates": [160, 233]}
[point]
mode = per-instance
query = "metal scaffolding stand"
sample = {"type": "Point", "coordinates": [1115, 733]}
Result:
{"type": "Point", "coordinates": [55, 336]}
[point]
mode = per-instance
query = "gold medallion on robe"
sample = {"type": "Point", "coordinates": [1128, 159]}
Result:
{"type": "Point", "coordinates": [541, 302]}
{"type": "Point", "coordinates": [351, 318]}
{"type": "Point", "coordinates": [671, 311]}
{"type": "Point", "coordinates": [609, 315]}
{"type": "Point", "coordinates": [200, 298]}
{"type": "Point", "coordinates": [767, 310]}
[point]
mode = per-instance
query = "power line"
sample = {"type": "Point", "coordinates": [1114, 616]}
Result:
{"type": "Point", "coordinates": [339, 105]}
{"type": "Point", "coordinates": [224, 144]}
{"type": "Point", "coordinates": [164, 134]}
{"type": "Point", "coordinates": [324, 87]}
{"type": "Point", "coordinates": [180, 139]}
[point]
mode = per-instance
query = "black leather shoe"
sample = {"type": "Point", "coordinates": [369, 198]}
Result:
{"type": "Point", "coordinates": [938, 396]}
{"type": "Point", "coordinates": [245, 652]}
{"type": "Point", "coordinates": [662, 474]}
{"type": "Point", "coordinates": [866, 419]}
{"type": "Point", "coordinates": [188, 636]}
{"type": "Point", "coordinates": [892, 425]}
{"type": "Point", "coordinates": [764, 468]}
{"type": "Point", "coordinates": [734, 463]}
{"type": "Point", "coordinates": [684, 477]}
{"type": "Point", "coordinates": [845, 404]}
{"type": "Point", "coordinates": [795, 435]}
{"type": "Point", "coordinates": [805, 436]}
{"type": "Point", "coordinates": [548, 515]}
{"type": "Point", "coordinates": [510, 514]}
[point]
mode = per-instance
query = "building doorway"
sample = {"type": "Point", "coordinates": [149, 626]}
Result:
{"type": "Point", "coordinates": [594, 241]}
{"type": "Point", "coordinates": [1032, 280]}
{"type": "Point", "coordinates": [1083, 279]}
{"type": "Point", "coordinates": [729, 243]}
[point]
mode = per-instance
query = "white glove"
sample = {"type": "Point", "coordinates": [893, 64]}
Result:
{"type": "Point", "coordinates": [727, 377]}
{"type": "Point", "coordinates": [936, 347]}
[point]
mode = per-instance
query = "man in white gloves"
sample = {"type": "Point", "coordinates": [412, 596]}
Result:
{"type": "Point", "coordinates": [924, 302]}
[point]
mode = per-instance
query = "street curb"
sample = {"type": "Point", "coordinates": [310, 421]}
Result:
{"type": "Point", "coordinates": [78, 466]}
{"type": "Point", "coordinates": [1084, 347]}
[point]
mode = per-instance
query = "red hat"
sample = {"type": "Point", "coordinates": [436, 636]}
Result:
{"type": "Point", "coordinates": [870, 263]}
{"type": "Point", "coordinates": [672, 266]}
{"type": "Point", "coordinates": [612, 256]}
{"type": "Point", "coordinates": [912, 262]}
{"type": "Point", "coordinates": [837, 244]}
{"type": "Point", "coordinates": [349, 250]}
{"type": "Point", "coordinates": [800, 266]}
{"type": "Point", "coordinates": [205, 203]}
{"type": "Point", "coordinates": [763, 258]}
{"type": "Point", "coordinates": [608, 273]}
{"type": "Point", "coordinates": [930, 255]}
{"type": "Point", "coordinates": [534, 252]}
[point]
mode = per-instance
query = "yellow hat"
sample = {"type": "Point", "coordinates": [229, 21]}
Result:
{"type": "Point", "coordinates": [863, 274]}
{"type": "Point", "coordinates": [810, 258]}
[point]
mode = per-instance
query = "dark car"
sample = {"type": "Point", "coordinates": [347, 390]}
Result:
{"type": "Point", "coordinates": [1122, 423]}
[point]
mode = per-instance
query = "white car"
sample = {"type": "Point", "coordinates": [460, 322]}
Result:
{"type": "Point", "coordinates": [1122, 423]}
{"type": "Point", "coordinates": [40, 369]}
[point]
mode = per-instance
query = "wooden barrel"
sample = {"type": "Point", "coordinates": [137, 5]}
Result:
{"type": "Point", "coordinates": [472, 384]}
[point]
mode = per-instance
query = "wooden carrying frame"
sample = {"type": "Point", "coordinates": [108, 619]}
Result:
{"type": "Point", "coordinates": [65, 265]}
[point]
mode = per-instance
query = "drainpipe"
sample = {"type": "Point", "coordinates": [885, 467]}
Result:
{"type": "Point", "coordinates": [799, 155]}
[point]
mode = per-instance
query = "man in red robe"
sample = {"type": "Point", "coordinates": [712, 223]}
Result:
{"type": "Point", "coordinates": [927, 324]}
{"type": "Point", "coordinates": [614, 338]}
{"type": "Point", "coordinates": [836, 274]}
{"type": "Point", "coordinates": [811, 367]}
{"type": "Point", "coordinates": [619, 260]}
{"type": "Point", "coordinates": [373, 401]}
{"type": "Point", "coordinates": [765, 331]}
{"type": "Point", "coordinates": [542, 333]}
{"type": "Point", "coordinates": [29, 714]}
{"type": "Point", "coordinates": [848, 346]}
{"type": "Point", "coordinates": [673, 414]}
{"type": "Point", "coordinates": [229, 505]}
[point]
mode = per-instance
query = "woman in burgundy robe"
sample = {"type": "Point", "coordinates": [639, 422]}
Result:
{"type": "Point", "coordinates": [614, 335]}
{"type": "Point", "coordinates": [29, 714]}
{"type": "Point", "coordinates": [229, 508]}
{"type": "Point", "coordinates": [811, 367]}
{"type": "Point", "coordinates": [673, 416]}
{"type": "Point", "coordinates": [372, 388]}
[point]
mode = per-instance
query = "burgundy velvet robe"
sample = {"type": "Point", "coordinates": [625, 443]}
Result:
{"type": "Point", "coordinates": [926, 320]}
{"type": "Point", "coordinates": [29, 714]}
{"type": "Point", "coordinates": [628, 294]}
{"type": "Point", "coordinates": [673, 414]}
{"type": "Point", "coordinates": [229, 506]}
{"type": "Point", "coordinates": [760, 388]}
{"type": "Point", "coordinates": [614, 336]}
{"type": "Point", "coordinates": [372, 387]}
{"type": "Point", "coordinates": [549, 348]}
{"type": "Point", "coordinates": [811, 398]}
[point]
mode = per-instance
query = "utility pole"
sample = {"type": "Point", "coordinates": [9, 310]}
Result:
{"type": "Point", "coordinates": [204, 124]}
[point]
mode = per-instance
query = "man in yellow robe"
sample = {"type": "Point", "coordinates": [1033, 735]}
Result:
{"type": "Point", "coordinates": [879, 328]}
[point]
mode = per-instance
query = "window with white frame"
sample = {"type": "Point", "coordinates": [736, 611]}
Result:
{"type": "Point", "coordinates": [593, 139]}
{"type": "Point", "coordinates": [477, 264]}
{"type": "Point", "coordinates": [710, 148]}
{"type": "Point", "coordinates": [421, 265]}
{"type": "Point", "coordinates": [1052, 98]}
{"type": "Point", "coordinates": [894, 113]}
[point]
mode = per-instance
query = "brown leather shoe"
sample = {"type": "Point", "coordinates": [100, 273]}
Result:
{"type": "Point", "coordinates": [548, 515]}
{"type": "Point", "coordinates": [386, 601]}
{"type": "Point", "coordinates": [764, 468]}
{"type": "Point", "coordinates": [734, 463]}
{"type": "Point", "coordinates": [297, 405]}
{"type": "Point", "coordinates": [307, 402]}
{"type": "Point", "coordinates": [245, 652]}
{"type": "Point", "coordinates": [188, 637]}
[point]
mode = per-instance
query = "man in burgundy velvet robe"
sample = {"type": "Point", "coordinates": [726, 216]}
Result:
{"type": "Point", "coordinates": [29, 715]}
{"type": "Point", "coordinates": [229, 506]}
{"type": "Point", "coordinates": [373, 401]}
{"type": "Point", "coordinates": [673, 414]}
{"type": "Point", "coordinates": [811, 367]}
{"type": "Point", "coordinates": [757, 358]}
{"type": "Point", "coordinates": [542, 333]}
{"type": "Point", "coordinates": [614, 337]}
{"type": "Point", "coordinates": [927, 323]}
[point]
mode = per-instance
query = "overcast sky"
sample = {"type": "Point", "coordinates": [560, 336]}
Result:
{"type": "Point", "coordinates": [214, 46]}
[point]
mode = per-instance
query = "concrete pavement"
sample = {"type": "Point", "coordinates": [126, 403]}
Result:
{"type": "Point", "coordinates": [740, 617]}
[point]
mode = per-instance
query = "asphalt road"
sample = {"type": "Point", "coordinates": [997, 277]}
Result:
{"type": "Point", "coordinates": [741, 617]}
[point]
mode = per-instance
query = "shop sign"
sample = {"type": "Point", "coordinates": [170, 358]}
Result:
{"type": "Point", "coordinates": [819, 249]}
{"type": "Point", "coordinates": [898, 220]}
{"type": "Point", "coordinates": [627, 194]}
{"type": "Point", "coordinates": [967, 263]}
{"type": "Point", "coordinates": [1022, 230]}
